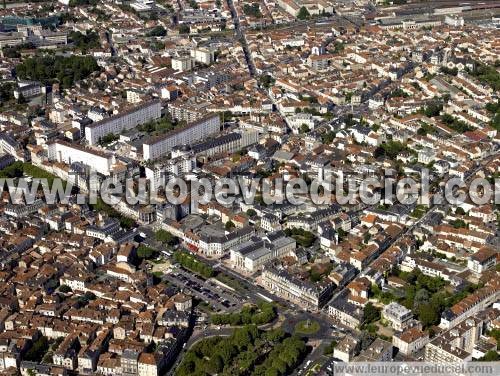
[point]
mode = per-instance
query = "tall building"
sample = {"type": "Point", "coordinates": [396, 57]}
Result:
{"type": "Point", "coordinates": [203, 55]}
{"type": "Point", "coordinates": [159, 174]}
{"type": "Point", "coordinates": [124, 121]}
{"type": "Point", "coordinates": [64, 152]}
{"type": "Point", "coordinates": [188, 111]}
{"type": "Point", "coordinates": [182, 63]}
{"type": "Point", "coordinates": [160, 146]}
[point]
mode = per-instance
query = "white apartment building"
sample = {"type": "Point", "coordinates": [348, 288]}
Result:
{"type": "Point", "coordinates": [20, 211]}
{"type": "Point", "coordinates": [134, 96]}
{"type": "Point", "coordinates": [183, 63]}
{"type": "Point", "coordinates": [124, 121]}
{"type": "Point", "coordinates": [378, 351]}
{"type": "Point", "coordinates": [289, 6]}
{"type": "Point", "coordinates": [482, 260]}
{"type": "Point", "coordinates": [397, 315]}
{"type": "Point", "coordinates": [203, 55]}
{"type": "Point", "coordinates": [145, 369]}
{"type": "Point", "coordinates": [169, 92]}
{"type": "Point", "coordinates": [177, 167]}
{"type": "Point", "coordinates": [430, 268]}
{"type": "Point", "coordinates": [28, 89]}
{"type": "Point", "coordinates": [10, 355]}
{"type": "Point", "coordinates": [443, 353]}
{"type": "Point", "coordinates": [64, 152]}
{"type": "Point", "coordinates": [270, 223]}
{"type": "Point", "coordinates": [189, 112]}
{"type": "Point", "coordinates": [345, 312]}
{"type": "Point", "coordinates": [74, 282]}
{"type": "Point", "coordinates": [228, 143]}
{"type": "Point", "coordinates": [8, 145]}
{"type": "Point", "coordinates": [97, 114]}
{"type": "Point", "coordinates": [158, 147]}
{"type": "Point", "coordinates": [456, 344]}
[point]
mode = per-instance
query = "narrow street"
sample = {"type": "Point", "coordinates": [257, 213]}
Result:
{"type": "Point", "coordinates": [240, 36]}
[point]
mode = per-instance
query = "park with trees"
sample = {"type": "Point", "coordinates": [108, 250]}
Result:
{"type": "Point", "coordinates": [49, 69]}
{"type": "Point", "coordinates": [247, 351]}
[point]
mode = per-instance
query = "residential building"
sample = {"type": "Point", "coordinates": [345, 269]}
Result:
{"type": "Point", "coordinates": [161, 146]}
{"type": "Point", "coordinates": [346, 349]}
{"type": "Point", "coordinates": [470, 305]}
{"type": "Point", "coordinates": [410, 341]}
{"type": "Point", "coordinates": [397, 315]}
{"type": "Point", "coordinates": [124, 121]}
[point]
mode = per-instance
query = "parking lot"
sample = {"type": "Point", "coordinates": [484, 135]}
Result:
{"type": "Point", "coordinates": [215, 295]}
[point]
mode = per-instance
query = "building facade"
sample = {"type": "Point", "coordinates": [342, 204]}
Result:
{"type": "Point", "coordinates": [198, 130]}
{"type": "Point", "coordinates": [122, 122]}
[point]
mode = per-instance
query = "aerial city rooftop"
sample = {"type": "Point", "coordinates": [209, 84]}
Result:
{"type": "Point", "coordinates": [219, 112]}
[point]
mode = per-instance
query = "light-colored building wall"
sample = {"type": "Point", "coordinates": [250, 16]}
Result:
{"type": "Point", "coordinates": [121, 122]}
{"type": "Point", "coordinates": [192, 132]}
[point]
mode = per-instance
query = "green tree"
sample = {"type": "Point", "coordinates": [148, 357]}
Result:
{"type": "Point", "coordinates": [107, 139]}
{"type": "Point", "coordinates": [328, 137]}
{"type": "Point", "coordinates": [427, 315]}
{"type": "Point", "coordinates": [38, 350]}
{"type": "Point", "coordinates": [6, 92]}
{"type": "Point", "coordinates": [329, 349]}
{"type": "Point", "coordinates": [266, 81]}
{"type": "Point", "coordinates": [491, 356]}
{"type": "Point", "coordinates": [214, 365]}
{"type": "Point", "coordinates": [165, 237]}
{"type": "Point", "coordinates": [304, 128]}
{"type": "Point", "coordinates": [147, 253]}
{"type": "Point", "coordinates": [64, 69]}
{"type": "Point", "coordinates": [242, 337]}
{"type": "Point", "coordinates": [370, 313]}
{"type": "Point", "coordinates": [252, 10]}
{"type": "Point", "coordinates": [303, 14]}
{"type": "Point", "coordinates": [65, 289]}
{"type": "Point", "coordinates": [21, 99]}
{"type": "Point", "coordinates": [184, 29]}
{"type": "Point", "coordinates": [421, 297]}
{"type": "Point", "coordinates": [85, 42]}
{"type": "Point", "coordinates": [389, 149]}
{"type": "Point", "coordinates": [157, 31]}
